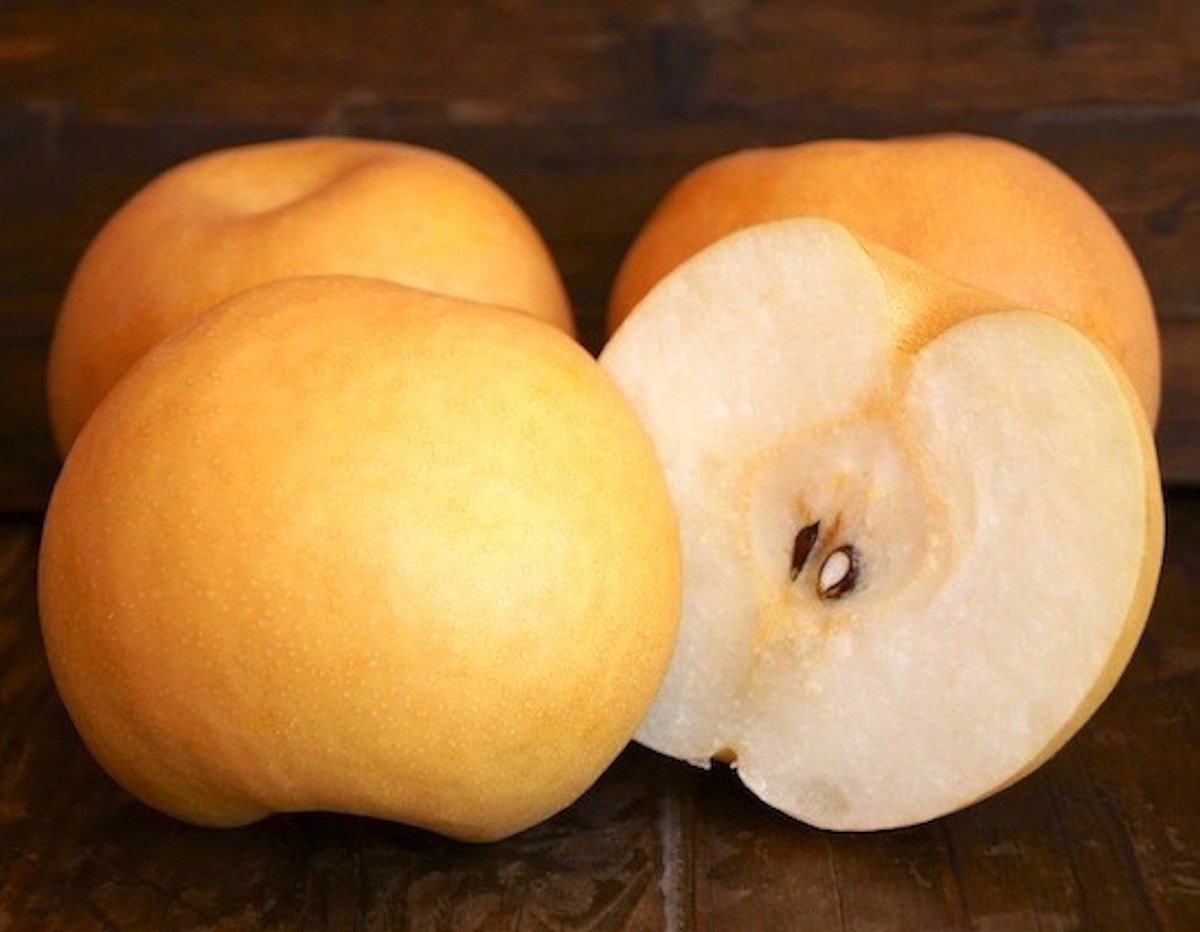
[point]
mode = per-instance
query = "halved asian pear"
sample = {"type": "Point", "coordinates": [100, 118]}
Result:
{"type": "Point", "coordinates": [921, 527]}
{"type": "Point", "coordinates": [341, 544]}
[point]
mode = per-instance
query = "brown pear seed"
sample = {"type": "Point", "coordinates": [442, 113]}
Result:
{"type": "Point", "coordinates": [839, 573]}
{"type": "Point", "coordinates": [806, 539]}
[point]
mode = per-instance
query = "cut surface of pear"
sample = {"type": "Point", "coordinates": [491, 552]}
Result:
{"type": "Point", "coordinates": [921, 534]}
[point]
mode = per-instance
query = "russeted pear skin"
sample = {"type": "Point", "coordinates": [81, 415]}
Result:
{"type": "Point", "coordinates": [921, 526]}
{"type": "Point", "coordinates": [340, 544]}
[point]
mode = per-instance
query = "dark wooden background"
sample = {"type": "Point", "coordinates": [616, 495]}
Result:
{"type": "Point", "coordinates": [585, 112]}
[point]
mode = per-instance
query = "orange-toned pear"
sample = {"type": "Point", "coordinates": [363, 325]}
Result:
{"type": "Point", "coordinates": [225, 221]}
{"type": "Point", "coordinates": [340, 544]}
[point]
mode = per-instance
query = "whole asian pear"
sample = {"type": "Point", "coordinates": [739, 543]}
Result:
{"type": "Point", "coordinates": [228, 220]}
{"type": "Point", "coordinates": [342, 544]}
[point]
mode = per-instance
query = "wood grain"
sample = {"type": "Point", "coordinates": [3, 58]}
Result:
{"type": "Point", "coordinates": [519, 61]}
{"type": "Point", "coordinates": [1179, 425]}
{"type": "Point", "coordinates": [29, 462]}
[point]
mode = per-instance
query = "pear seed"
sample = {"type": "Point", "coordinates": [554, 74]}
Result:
{"type": "Point", "coordinates": [806, 539]}
{"type": "Point", "coordinates": [838, 573]}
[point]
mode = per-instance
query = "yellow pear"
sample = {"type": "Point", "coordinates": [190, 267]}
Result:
{"type": "Point", "coordinates": [342, 544]}
{"type": "Point", "coordinates": [226, 221]}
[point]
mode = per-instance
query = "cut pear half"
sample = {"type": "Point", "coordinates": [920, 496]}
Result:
{"type": "Point", "coordinates": [921, 528]}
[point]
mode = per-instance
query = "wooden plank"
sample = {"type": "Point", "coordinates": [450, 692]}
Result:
{"type": "Point", "coordinates": [28, 459]}
{"type": "Point", "coordinates": [1179, 426]}
{"type": "Point", "coordinates": [1010, 868]}
{"type": "Point", "coordinates": [76, 852]}
{"type": "Point", "coordinates": [487, 62]}
{"type": "Point", "coordinates": [757, 869]}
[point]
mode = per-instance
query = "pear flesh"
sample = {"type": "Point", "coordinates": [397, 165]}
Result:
{"type": "Point", "coordinates": [919, 547]}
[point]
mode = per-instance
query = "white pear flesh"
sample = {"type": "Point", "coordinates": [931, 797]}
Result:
{"type": "Point", "coordinates": [994, 479]}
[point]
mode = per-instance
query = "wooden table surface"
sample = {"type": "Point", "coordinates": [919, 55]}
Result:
{"type": "Point", "coordinates": [586, 111]}
{"type": "Point", "coordinates": [1105, 836]}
